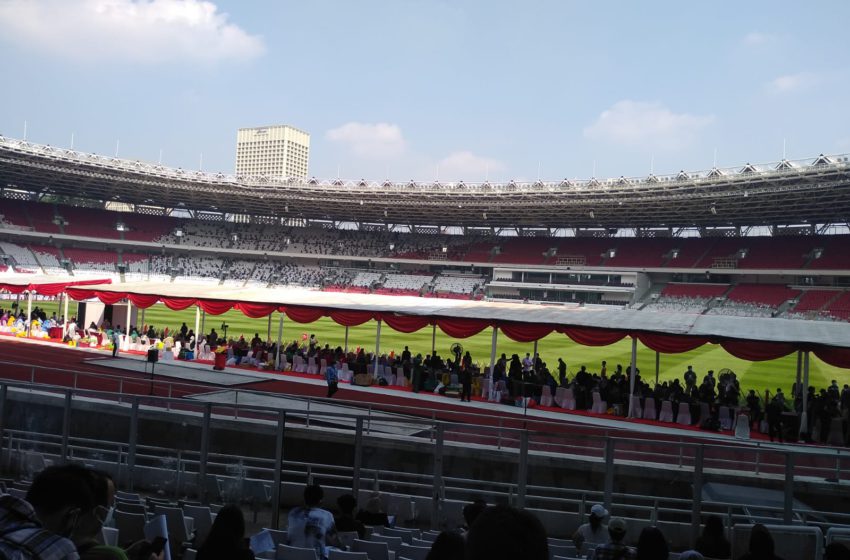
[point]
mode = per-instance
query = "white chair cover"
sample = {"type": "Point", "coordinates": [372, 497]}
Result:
{"type": "Point", "coordinates": [666, 414]}
{"type": "Point", "coordinates": [684, 416]}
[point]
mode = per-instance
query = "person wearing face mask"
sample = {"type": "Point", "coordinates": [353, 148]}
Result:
{"type": "Point", "coordinates": [91, 523]}
{"type": "Point", "coordinates": [43, 526]}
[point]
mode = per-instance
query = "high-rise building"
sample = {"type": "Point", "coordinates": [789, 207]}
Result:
{"type": "Point", "coordinates": [274, 151]}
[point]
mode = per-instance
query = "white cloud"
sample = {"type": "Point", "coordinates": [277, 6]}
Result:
{"type": "Point", "coordinates": [149, 31]}
{"type": "Point", "coordinates": [378, 140]}
{"type": "Point", "coordinates": [755, 38]}
{"type": "Point", "coordinates": [465, 165]}
{"type": "Point", "coordinates": [792, 82]}
{"type": "Point", "coordinates": [646, 124]}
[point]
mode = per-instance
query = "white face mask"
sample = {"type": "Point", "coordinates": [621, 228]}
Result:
{"type": "Point", "coordinates": [107, 522]}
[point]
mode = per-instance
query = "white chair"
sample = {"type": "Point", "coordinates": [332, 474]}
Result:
{"type": "Point", "coordinates": [286, 552]}
{"type": "Point", "coordinates": [546, 396]}
{"type": "Point", "coordinates": [393, 543]}
{"type": "Point", "coordinates": [190, 554]}
{"type": "Point", "coordinates": [203, 521]}
{"type": "Point", "coordinates": [311, 365]}
{"type": "Point", "coordinates": [375, 550]}
{"type": "Point", "coordinates": [342, 555]}
{"type": "Point", "coordinates": [426, 541]}
{"type": "Point", "coordinates": [704, 412]}
{"type": "Point", "coordinates": [794, 541]}
{"type": "Point", "coordinates": [109, 536]}
{"type": "Point", "coordinates": [347, 538]}
{"type": "Point", "coordinates": [179, 531]}
{"type": "Point", "coordinates": [635, 407]}
{"type": "Point", "coordinates": [564, 398]}
{"type": "Point", "coordinates": [666, 414]}
{"type": "Point", "coordinates": [838, 535]}
{"type": "Point", "coordinates": [649, 408]}
{"type": "Point", "coordinates": [278, 536]}
{"type": "Point", "coordinates": [131, 526]}
{"type": "Point", "coordinates": [742, 427]}
{"type": "Point", "coordinates": [563, 550]}
{"type": "Point", "coordinates": [599, 406]}
{"type": "Point", "coordinates": [725, 418]}
{"type": "Point", "coordinates": [684, 416]}
{"type": "Point", "coordinates": [413, 552]}
{"type": "Point", "coordinates": [835, 436]}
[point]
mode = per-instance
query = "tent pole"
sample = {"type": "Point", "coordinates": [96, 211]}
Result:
{"type": "Point", "coordinates": [377, 346]}
{"type": "Point", "coordinates": [797, 386]}
{"type": "Point", "coordinates": [632, 375]}
{"type": "Point", "coordinates": [29, 313]}
{"type": "Point", "coordinates": [279, 341]}
{"type": "Point", "coordinates": [493, 350]}
{"type": "Point", "coordinates": [65, 316]}
{"type": "Point", "coordinates": [346, 339]}
{"type": "Point", "coordinates": [657, 366]}
{"type": "Point", "coordinates": [269, 331]}
{"type": "Point", "coordinates": [433, 339]}
{"type": "Point", "coordinates": [804, 415]}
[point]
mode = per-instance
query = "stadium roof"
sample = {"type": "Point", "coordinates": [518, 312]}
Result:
{"type": "Point", "coordinates": [748, 338]}
{"type": "Point", "coordinates": [815, 191]}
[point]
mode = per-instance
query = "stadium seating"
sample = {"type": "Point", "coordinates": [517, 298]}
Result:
{"type": "Point", "coordinates": [771, 295]}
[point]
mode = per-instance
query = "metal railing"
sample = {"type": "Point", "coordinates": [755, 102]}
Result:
{"type": "Point", "coordinates": [192, 467]}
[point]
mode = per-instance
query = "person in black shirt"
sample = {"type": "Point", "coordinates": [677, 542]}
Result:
{"type": "Point", "coordinates": [345, 521]}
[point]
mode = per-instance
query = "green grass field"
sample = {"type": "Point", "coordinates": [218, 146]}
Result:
{"type": "Point", "coordinates": [753, 375]}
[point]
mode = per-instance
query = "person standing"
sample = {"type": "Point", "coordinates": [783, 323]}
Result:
{"type": "Point", "coordinates": [465, 384]}
{"type": "Point", "coordinates": [332, 378]}
{"type": "Point", "coordinates": [116, 340]}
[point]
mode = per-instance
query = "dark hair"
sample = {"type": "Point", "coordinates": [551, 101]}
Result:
{"type": "Point", "coordinates": [506, 533]}
{"type": "Point", "coordinates": [652, 545]}
{"type": "Point", "coordinates": [761, 542]}
{"type": "Point", "coordinates": [346, 503]}
{"type": "Point", "coordinates": [447, 546]}
{"type": "Point", "coordinates": [473, 510]}
{"type": "Point", "coordinates": [313, 494]}
{"type": "Point", "coordinates": [227, 531]}
{"type": "Point", "coordinates": [713, 527]}
{"type": "Point", "coordinates": [62, 486]}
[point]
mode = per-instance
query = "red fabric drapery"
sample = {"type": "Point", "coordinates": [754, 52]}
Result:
{"type": "Point", "coordinates": [142, 301]}
{"type": "Point", "coordinates": [525, 332]}
{"type": "Point", "coordinates": [256, 310]}
{"type": "Point", "coordinates": [350, 318]}
{"type": "Point", "coordinates": [213, 307]}
{"type": "Point", "coordinates": [838, 357]}
{"type": "Point", "coordinates": [592, 337]}
{"type": "Point", "coordinates": [461, 328]}
{"type": "Point", "coordinates": [304, 314]}
{"type": "Point", "coordinates": [671, 344]}
{"type": "Point", "coordinates": [13, 288]}
{"type": "Point", "coordinates": [110, 298]}
{"type": "Point", "coordinates": [757, 351]}
{"type": "Point", "coordinates": [405, 323]}
{"type": "Point", "coordinates": [176, 304]}
{"type": "Point", "coordinates": [79, 294]}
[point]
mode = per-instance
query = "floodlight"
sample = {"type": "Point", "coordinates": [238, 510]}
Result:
{"type": "Point", "coordinates": [392, 246]}
{"type": "Point", "coordinates": [178, 232]}
{"type": "Point", "coordinates": [120, 226]}
{"type": "Point", "coordinates": [445, 249]}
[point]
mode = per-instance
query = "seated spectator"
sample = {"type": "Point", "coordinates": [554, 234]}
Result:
{"type": "Point", "coordinates": [345, 521]}
{"type": "Point", "coordinates": [652, 545]}
{"type": "Point", "coordinates": [89, 526]}
{"type": "Point", "coordinates": [310, 526]}
{"type": "Point", "coordinates": [761, 545]}
{"type": "Point", "coordinates": [713, 542]}
{"type": "Point", "coordinates": [615, 549]}
{"type": "Point", "coordinates": [593, 533]}
{"type": "Point", "coordinates": [447, 546]}
{"type": "Point", "coordinates": [32, 529]}
{"type": "Point", "coordinates": [374, 513]}
{"type": "Point", "coordinates": [226, 539]}
{"type": "Point", "coordinates": [506, 533]}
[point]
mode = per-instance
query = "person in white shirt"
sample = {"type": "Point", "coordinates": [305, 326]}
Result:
{"type": "Point", "coordinates": [592, 533]}
{"type": "Point", "coordinates": [310, 526]}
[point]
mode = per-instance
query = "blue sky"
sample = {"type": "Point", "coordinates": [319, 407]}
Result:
{"type": "Point", "coordinates": [425, 89]}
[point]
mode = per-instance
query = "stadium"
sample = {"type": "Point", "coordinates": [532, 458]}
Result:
{"type": "Point", "coordinates": [744, 268]}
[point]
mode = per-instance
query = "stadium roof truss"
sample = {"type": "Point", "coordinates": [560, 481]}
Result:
{"type": "Point", "coordinates": [814, 191]}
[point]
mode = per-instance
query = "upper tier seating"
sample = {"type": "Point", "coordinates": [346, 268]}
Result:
{"type": "Point", "coordinates": [457, 284]}
{"type": "Point", "coordinates": [840, 308]}
{"type": "Point", "coordinates": [694, 290]}
{"type": "Point", "coordinates": [765, 294]}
